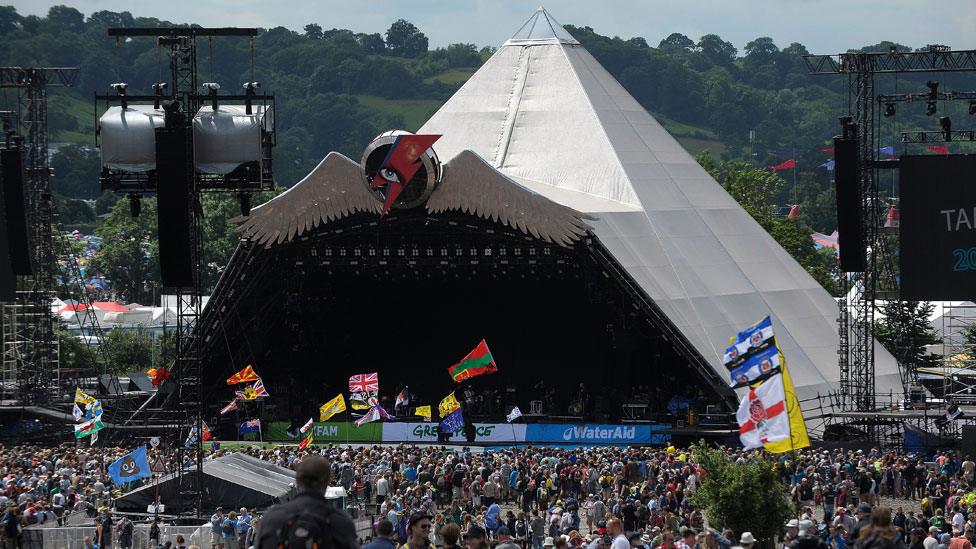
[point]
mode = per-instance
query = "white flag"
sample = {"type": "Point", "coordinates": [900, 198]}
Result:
{"type": "Point", "coordinates": [307, 426]}
{"type": "Point", "coordinates": [514, 414]}
{"type": "Point", "coordinates": [94, 438]}
{"type": "Point", "coordinates": [372, 415]}
{"type": "Point", "coordinates": [762, 414]}
{"type": "Point", "coordinates": [77, 413]}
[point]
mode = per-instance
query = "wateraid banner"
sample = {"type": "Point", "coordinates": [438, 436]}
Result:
{"type": "Point", "coordinates": [596, 434]}
{"type": "Point", "coordinates": [427, 432]}
{"type": "Point", "coordinates": [327, 432]}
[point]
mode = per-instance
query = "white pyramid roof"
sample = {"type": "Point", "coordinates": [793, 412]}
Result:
{"type": "Point", "coordinates": [546, 113]}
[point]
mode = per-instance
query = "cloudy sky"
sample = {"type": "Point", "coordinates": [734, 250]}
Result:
{"type": "Point", "coordinates": [824, 26]}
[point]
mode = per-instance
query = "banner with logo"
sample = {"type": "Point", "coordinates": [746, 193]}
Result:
{"type": "Point", "coordinates": [427, 432]}
{"type": "Point", "coordinates": [587, 433]}
{"type": "Point", "coordinates": [327, 432]}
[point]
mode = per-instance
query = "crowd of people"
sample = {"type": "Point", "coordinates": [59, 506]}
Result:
{"type": "Point", "coordinates": [533, 497]}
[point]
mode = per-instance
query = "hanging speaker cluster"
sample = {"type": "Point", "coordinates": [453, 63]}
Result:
{"type": "Point", "coordinates": [15, 249]}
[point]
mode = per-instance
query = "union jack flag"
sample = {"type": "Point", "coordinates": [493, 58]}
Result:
{"type": "Point", "coordinates": [253, 392]}
{"type": "Point", "coordinates": [364, 383]}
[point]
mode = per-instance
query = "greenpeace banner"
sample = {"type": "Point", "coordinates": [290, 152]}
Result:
{"type": "Point", "coordinates": [596, 434]}
{"type": "Point", "coordinates": [326, 432]}
{"type": "Point", "coordinates": [427, 432]}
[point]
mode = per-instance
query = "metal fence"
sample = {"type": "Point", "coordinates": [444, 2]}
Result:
{"type": "Point", "coordinates": [74, 537]}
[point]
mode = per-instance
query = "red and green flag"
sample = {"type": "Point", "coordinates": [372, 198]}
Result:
{"type": "Point", "coordinates": [477, 362]}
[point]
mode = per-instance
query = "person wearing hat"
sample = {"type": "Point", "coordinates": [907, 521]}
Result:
{"type": "Point", "coordinates": [548, 543]}
{"type": "Point", "coordinates": [792, 531]}
{"type": "Point", "coordinates": [504, 537]}
{"type": "Point", "coordinates": [863, 519]}
{"type": "Point", "coordinates": [746, 540]}
{"type": "Point", "coordinates": [418, 531]}
{"type": "Point", "coordinates": [477, 538]}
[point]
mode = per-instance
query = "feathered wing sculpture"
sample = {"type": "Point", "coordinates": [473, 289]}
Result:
{"type": "Point", "coordinates": [333, 190]}
{"type": "Point", "coordinates": [471, 185]}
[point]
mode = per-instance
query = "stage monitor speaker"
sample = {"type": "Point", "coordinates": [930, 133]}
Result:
{"type": "Point", "coordinates": [847, 177]}
{"type": "Point", "coordinates": [8, 282]}
{"type": "Point", "coordinates": [969, 440]}
{"type": "Point", "coordinates": [174, 177]}
{"type": "Point", "coordinates": [15, 208]}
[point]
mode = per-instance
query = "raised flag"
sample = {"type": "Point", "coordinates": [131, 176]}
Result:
{"type": "Point", "coordinates": [762, 414]}
{"type": "Point", "coordinates": [798, 438]}
{"type": "Point", "coordinates": [250, 426]}
{"type": "Point", "coordinates": [307, 426]}
{"type": "Point", "coordinates": [76, 412]}
{"type": "Point", "coordinates": [82, 398]}
{"type": "Point", "coordinates": [888, 150]}
{"type": "Point", "coordinates": [756, 367]}
{"type": "Point", "coordinates": [453, 423]}
{"type": "Point", "coordinates": [93, 439]}
{"type": "Point", "coordinates": [513, 415]}
{"type": "Point", "coordinates": [253, 391]}
{"type": "Point", "coordinates": [828, 150]}
{"type": "Point", "coordinates": [788, 165]}
{"type": "Point", "coordinates": [89, 427]}
{"type": "Point", "coordinates": [207, 435]}
{"type": "Point", "coordinates": [383, 413]}
{"type": "Point", "coordinates": [941, 149]}
{"type": "Point", "coordinates": [370, 416]}
{"type": "Point", "coordinates": [230, 407]}
{"type": "Point", "coordinates": [161, 375]}
{"type": "Point", "coordinates": [423, 411]}
{"type": "Point", "coordinates": [794, 212]}
{"type": "Point", "coordinates": [364, 383]}
{"type": "Point", "coordinates": [96, 408]}
{"type": "Point", "coordinates": [244, 376]}
{"type": "Point", "coordinates": [332, 407]}
{"type": "Point", "coordinates": [448, 405]}
{"type": "Point", "coordinates": [477, 362]}
{"type": "Point", "coordinates": [403, 399]}
{"type": "Point", "coordinates": [748, 342]}
{"type": "Point", "coordinates": [130, 467]}
{"type": "Point", "coordinates": [829, 165]}
{"type": "Point", "coordinates": [306, 442]}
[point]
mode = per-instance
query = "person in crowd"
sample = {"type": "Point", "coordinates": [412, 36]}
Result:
{"type": "Point", "coordinates": [384, 536]}
{"type": "Point", "coordinates": [476, 538]}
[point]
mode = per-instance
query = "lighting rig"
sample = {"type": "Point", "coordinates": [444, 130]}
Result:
{"type": "Point", "coordinates": [183, 139]}
{"type": "Point", "coordinates": [856, 321]}
{"type": "Point", "coordinates": [931, 98]}
{"type": "Point", "coordinates": [30, 353]}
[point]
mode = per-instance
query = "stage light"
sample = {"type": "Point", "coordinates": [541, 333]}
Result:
{"type": "Point", "coordinates": [135, 205]}
{"type": "Point", "coordinates": [930, 108]}
{"type": "Point", "coordinates": [946, 124]}
{"type": "Point", "coordinates": [158, 88]}
{"type": "Point", "coordinates": [889, 110]}
{"type": "Point", "coordinates": [121, 88]}
{"type": "Point", "coordinates": [212, 88]}
{"type": "Point", "coordinates": [249, 88]}
{"type": "Point", "coordinates": [933, 87]}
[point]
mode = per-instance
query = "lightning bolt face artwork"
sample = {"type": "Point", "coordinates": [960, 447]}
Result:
{"type": "Point", "coordinates": [397, 160]}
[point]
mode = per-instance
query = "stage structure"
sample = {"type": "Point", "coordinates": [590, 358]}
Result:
{"type": "Point", "coordinates": [30, 351]}
{"type": "Point", "coordinates": [582, 241]}
{"type": "Point", "coordinates": [874, 279]}
{"type": "Point", "coordinates": [184, 139]}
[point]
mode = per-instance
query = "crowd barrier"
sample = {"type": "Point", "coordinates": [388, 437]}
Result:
{"type": "Point", "coordinates": [54, 537]}
{"type": "Point", "coordinates": [541, 433]}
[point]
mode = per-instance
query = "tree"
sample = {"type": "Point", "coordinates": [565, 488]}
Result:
{"type": "Point", "coordinates": [129, 255]}
{"type": "Point", "coordinates": [761, 51]}
{"type": "Point", "coordinates": [676, 41]}
{"type": "Point", "coordinates": [716, 50]}
{"type": "Point", "coordinates": [372, 43]}
{"type": "Point", "coordinates": [64, 18]}
{"type": "Point", "coordinates": [747, 496]}
{"type": "Point", "coordinates": [753, 188]}
{"type": "Point", "coordinates": [129, 350]}
{"type": "Point", "coordinates": [405, 39]}
{"type": "Point", "coordinates": [313, 31]}
{"type": "Point", "coordinates": [905, 331]}
{"type": "Point", "coordinates": [71, 352]}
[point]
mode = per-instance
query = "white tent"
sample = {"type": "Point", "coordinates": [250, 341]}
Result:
{"type": "Point", "coordinates": [543, 111]}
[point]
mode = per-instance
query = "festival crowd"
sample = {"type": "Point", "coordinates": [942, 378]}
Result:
{"type": "Point", "coordinates": [603, 498]}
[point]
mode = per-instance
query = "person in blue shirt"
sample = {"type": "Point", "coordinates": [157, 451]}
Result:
{"type": "Point", "coordinates": [491, 517]}
{"type": "Point", "coordinates": [384, 536]}
{"type": "Point", "coordinates": [411, 473]}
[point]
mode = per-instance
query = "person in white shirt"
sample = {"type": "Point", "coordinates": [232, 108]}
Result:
{"type": "Point", "coordinates": [616, 529]}
{"type": "Point", "coordinates": [382, 488]}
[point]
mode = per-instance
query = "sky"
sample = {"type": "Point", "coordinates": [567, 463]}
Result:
{"type": "Point", "coordinates": [823, 26]}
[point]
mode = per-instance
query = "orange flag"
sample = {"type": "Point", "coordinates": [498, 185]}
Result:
{"type": "Point", "coordinates": [245, 375]}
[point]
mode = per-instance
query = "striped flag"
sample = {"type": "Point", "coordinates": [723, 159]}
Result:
{"type": "Point", "coordinates": [369, 417]}
{"type": "Point", "coordinates": [364, 383]}
{"type": "Point", "coordinates": [477, 362]}
{"type": "Point", "coordinates": [307, 426]}
{"type": "Point", "coordinates": [306, 442]}
{"type": "Point", "coordinates": [253, 392]}
{"type": "Point", "coordinates": [230, 407]}
{"type": "Point", "coordinates": [244, 376]}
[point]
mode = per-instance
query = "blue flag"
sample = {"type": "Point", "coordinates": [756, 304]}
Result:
{"type": "Point", "coordinates": [252, 426]}
{"type": "Point", "coordinates": [888, 150]}
{"type": "Point", "coordinates": [452, 423]}
{"type": "Point", "coordinates": [748, 343]}
{"type": "Point", "coordinates": [756, 367]}
{"type": "Point", "coordinates": [828, 164]}
{"type": "Point", "coordinates": [130, 467]}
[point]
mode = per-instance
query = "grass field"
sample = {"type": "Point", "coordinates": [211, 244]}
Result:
{"type": "Point", "coordinates": [414, 111]}
{"type": "Point", "coordinates": [452, 77]}
{"type": "Point", "coordinates": [83, 113]}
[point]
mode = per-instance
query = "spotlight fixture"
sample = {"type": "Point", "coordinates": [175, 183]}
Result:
{"type": "Point", "coordinates": [933, 86]}
{"type": "Point", "coordinates": [212, 88]}
{"type": "Point", "coordinates": [120, 88]}
{"type": "Point", "coordinates": [946, 124]}
{"type": "Point", "coordinates": [889, 109]}
{"type": "Point", "coordinates": [158, 88]}
{"type": "Point", "coordinates": [930, 108]}
{"type": "Point", "coordinates": [249, 89]}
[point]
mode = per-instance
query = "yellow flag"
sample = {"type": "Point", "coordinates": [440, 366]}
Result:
{"type": "Point", "coordinates": [82, 398]}
{"type": "Point", "coordinates": [448, 405]}
{"type": "Point", "coordinates": [423, 411]}
{"type": "Point", "coordinates": [798, 428]}
{"type": "Point", "coordinates": [332, 407]}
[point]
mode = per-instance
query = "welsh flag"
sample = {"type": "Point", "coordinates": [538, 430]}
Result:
{"type": "Point", "coordinates": [89, 427]}
{"type": "Point", "coordinates": [762, 414]}
{"type": "Point", "coordinates": [477, 362]}
{"type": "Point", "coordinates": [305, 441]}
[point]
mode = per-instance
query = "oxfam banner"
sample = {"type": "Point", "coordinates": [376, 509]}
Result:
{"type": "Point", "coordinates": [596, 434]}
{"type": "Point", "coordinates": [427, 432]}
{"type": "Point", "coordinates": [328, 432]}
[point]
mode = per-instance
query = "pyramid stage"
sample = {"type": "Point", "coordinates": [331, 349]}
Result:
{"type": "Point", "coordinates": [605, 268]}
